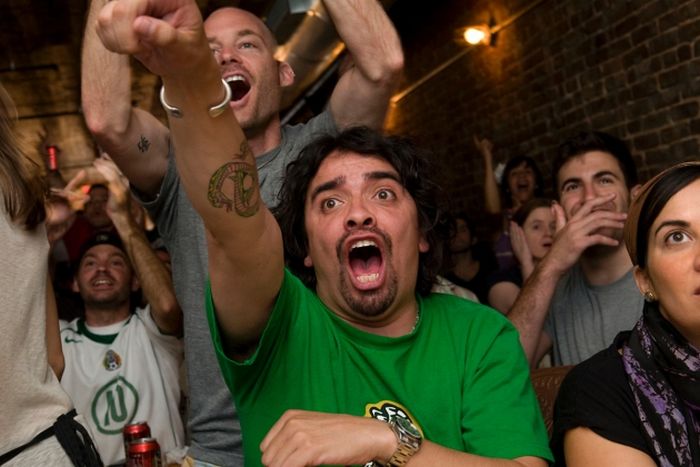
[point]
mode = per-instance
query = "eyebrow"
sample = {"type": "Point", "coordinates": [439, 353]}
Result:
{"type": "Point", "coordinates": [329, 185]}
{"type": "Point", "coordinates": [597, 175]}
{"type": "Point", "coordinates": [239, 34]}
{"type": "Point", "coordinates": [671, 223]}
{"type": "Point", "coordinates": [336, 182]}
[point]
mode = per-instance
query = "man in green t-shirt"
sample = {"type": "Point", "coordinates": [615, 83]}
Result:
{"type": "Point", "coordinates": [345, 357]}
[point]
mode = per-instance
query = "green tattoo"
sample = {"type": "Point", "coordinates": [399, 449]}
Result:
{"type": "Point", "coordinates": [246, 194]}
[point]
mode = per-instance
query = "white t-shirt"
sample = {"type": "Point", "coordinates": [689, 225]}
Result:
{"type": "Point", "coordinates": [123, 373]}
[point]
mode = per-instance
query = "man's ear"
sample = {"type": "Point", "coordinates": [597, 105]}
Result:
{"type": "Point", "coordinates": [74, 285]}
{"type": "Point", "coordinates": [286, 74]}
{"type": "Point", "coordinates": [135, 284]}
{"type": "Point", "coordinates": [642, 279]}
{"type": "Point", "coordinates": [634, 192]}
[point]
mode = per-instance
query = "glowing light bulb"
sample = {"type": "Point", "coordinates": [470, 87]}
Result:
{"type": "Point", "coordinates": [477, 35]}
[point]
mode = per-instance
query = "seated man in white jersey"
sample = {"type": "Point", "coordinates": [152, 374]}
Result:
{"type": "Point", "coordinates": [122, 365]}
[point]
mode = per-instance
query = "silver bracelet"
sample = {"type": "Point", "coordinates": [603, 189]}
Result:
{"type": "Point", "coordinates": [214, 111]}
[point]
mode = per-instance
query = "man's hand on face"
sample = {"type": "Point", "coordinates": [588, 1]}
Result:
{"type": "Point", "coordinates": [301, 438]}
{"type": "Point", "coordinates": [582, 231]}
{"type": "Point", "coordinates": [165, 35]}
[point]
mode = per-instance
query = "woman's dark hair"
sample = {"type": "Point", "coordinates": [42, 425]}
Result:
{"type": "Point", "coordinates": [414, 174]}
{"type": "Point", "coordinates": [512, 164]}
{"type": "Point", "coordinates": [660, 192]}
{"type": "Point", "coordinates": [521, 215]}
{"type": "Point", "coordinates": [587, 141]}
{"type": "Point", "coordinates": [22, 186]}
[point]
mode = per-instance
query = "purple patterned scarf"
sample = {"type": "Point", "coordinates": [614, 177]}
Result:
{"type": "Point", "coordinates": [664, 374]}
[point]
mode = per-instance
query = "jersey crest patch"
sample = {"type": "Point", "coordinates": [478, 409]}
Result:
{"type": "Point", "coordinates": [388, 410]}
{"type": "Point", "coordinates": [114, 405]}
{"type": "Point", "coordinates": [112, 360]}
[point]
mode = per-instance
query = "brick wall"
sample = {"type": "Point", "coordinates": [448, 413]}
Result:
{"type": "Point", "coordinates": [628, 67]}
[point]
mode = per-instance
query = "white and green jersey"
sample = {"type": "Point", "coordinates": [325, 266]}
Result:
{"type": "Point", "coordinates": [122, 373]}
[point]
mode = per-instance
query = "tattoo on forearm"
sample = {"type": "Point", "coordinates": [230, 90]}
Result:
{"type": "Point", "coordinates": [143, 144]}
{"type": "Point", "coordinates": [246, 194]}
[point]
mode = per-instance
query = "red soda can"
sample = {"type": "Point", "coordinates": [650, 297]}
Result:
{"type": "Point", "coordinates": [134, 431]}
{"type": "Point", "coordinates": [144, 452]}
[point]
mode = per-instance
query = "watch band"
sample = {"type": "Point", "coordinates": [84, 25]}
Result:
{"type": "Point", "coordinates": [401, 456]}
{"type": "Point", "coordinates": [409, 441]}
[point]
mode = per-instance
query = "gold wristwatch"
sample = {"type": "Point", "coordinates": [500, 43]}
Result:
{"type": "Point", "coordinates": [409, 438]}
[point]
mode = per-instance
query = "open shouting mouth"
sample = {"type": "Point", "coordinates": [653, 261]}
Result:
{"type": "Point", "coordinates": [366, 264]}
{"type": "Point", "coordinates": [239, 86]}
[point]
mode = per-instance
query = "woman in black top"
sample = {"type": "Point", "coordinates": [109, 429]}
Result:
{"type": "Point", "coordinates": [638, 402]}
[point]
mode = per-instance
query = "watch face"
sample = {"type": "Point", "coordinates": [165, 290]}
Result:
{"type": "Point", "coordinates": [407, 426]}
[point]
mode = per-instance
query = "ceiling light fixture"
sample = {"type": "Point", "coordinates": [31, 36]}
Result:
{"type": "Point", "coordinates": [478, 34]}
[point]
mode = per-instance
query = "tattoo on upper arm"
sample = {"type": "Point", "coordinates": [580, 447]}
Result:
{"type": "Point", "coordinates": [246, 193]}
{"type": "Point", "coordinates": [143, 144]}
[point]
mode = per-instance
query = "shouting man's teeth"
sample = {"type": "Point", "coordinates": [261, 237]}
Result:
{"type": "Point", "coordinates": [363, 243]}
{"type": "Point", "coordinates": [368, 278]}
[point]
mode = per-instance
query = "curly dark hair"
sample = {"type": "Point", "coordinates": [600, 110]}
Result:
{"type": "Point", "coordinates": [414, 174]}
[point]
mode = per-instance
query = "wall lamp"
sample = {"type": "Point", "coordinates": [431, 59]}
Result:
{"type": "Point", "coordinates": [478, 34]}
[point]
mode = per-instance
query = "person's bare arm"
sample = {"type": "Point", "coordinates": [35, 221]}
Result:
{"type": "Point", "coordinates": [502, 295]}
{"type": "Point", "coordinates": [135, 139]}
{"type": "Point", "coordinates": [492, 197]}
{"type": "Point", "coordinates": [214, 161]}
{"type": "Point", "coordinates": [154, 277]}
{"type": "Point", "coordinates": [530, 309]}
{"type": "Point", "coordinates": [583, 448]}
{"type": "Point", "coordinates": [301, 438]}
{"type": "Point", "coordinates": [362, 94]}
{"type": "Point", "coordinates": [53, 334]}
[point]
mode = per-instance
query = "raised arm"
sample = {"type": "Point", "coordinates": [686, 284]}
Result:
{"type": "Point", "coordinates": [137, 141]}
{"type": "Point", "coordinates": [215, 164]}
{"type": "Point", "coordinates": [154, 277]}
{"type": "Point", "coordinates": [362, 94]}
{"type": "Point", "coordinates": [492, 197]}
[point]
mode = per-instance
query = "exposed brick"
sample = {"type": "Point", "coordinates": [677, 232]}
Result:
{"type": "Point", "coordinates": [663, 42]}
{"type": "Point", "coordinates": [687, 32]}
{"type": "Point", "coordinates": [684, 53]}
{"type": "Point", "coordinates": [644, 88]}
{"type": "Point", "coordinates": [668, 79]}
{"type": "Point", "coordinates": [675, 133]}
{"type": "Point", "coordinates": [655, 121]}
{"type": "Point", "coordinates": [685, 150]}
{"type": "Point", "coordinates": [669, 58]}
{"type": "Point", "coordinates": [634, 126]}
{"type": "Point", "coordinates": [647, 141]}
{"type": "Point", "coordinates": [684, 111]}
{"type": "Point", "coordinates": [643, 32]}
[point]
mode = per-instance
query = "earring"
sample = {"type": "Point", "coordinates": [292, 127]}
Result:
{"type": "Point", "coordinates": [650, 296]}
